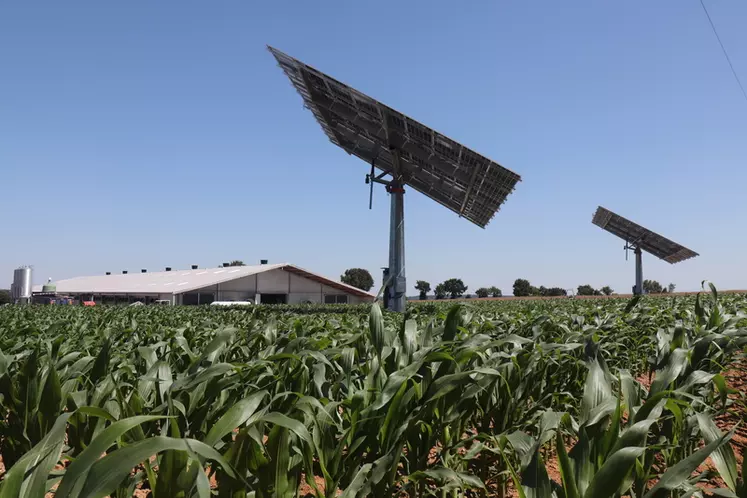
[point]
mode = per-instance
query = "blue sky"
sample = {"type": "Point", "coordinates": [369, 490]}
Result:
{"type": "Point", "coordinates": [146, 134]}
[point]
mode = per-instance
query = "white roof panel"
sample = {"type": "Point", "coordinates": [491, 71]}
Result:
{"type": "Point", "coordinates": [154, 282]}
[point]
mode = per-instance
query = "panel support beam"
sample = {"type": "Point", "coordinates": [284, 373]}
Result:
{"type": "Point", "coordinates": [638, 289]}
{"type": "Point", "coordinates": [469, 190]}
{"type": "Point", "coordinates": [397, 282]}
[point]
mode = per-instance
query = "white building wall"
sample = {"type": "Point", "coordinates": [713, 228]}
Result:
{"type": "Point", "coordinates": [359, 300]}
{"type": "Point", "coordinates": [301, 284]}
{"type": "Point", "coordinates": [304, 290]}
{"type": "Point", "coordinates": [297, 288]}
{"type": "Point", "coordinates": [273, 282]}
{"type": "Point", "coordinates": [240, 284]}
{"type": "Point", "coordinates": [241, 289]}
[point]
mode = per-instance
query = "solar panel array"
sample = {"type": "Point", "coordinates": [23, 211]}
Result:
{"type": "Point", "coordinates": [451, 174]}
{"type": "Point", "coordinates": [636, 235]}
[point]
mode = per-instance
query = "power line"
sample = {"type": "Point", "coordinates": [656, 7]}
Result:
{"type": "Point", "coordinates": [713, 27]}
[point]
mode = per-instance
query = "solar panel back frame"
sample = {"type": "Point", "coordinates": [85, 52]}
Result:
{"type": "Point", "coordinates": [449, 173]}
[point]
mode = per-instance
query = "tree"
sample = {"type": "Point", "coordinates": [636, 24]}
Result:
{"type": "Point", "coordinates": [455, 287]}
{"type": "Point", "coordinates": [534, 291]}
{"type": "Point", "coordinates": [424, 288]}
{"type": "Point", "coordinates": [652, 287]}
{"type": "Point", "coordinates": [5, 296]}
{"type": "Point", "coordinates": [440, 291]}
{"type": "Point", "coordinates": [671, 288]}
{"type": "Point", "coordinates": [358, 277]}
{"type": "Point", "coordinates": [495, 292]}
{"type": "Point", "coordinates": [522, 287]}
{"type": "Point", "coordinates": [482, 292]}
{"type": "Point", "coordinates": [607, 290]}
{"type": "Point", "coordinates": [236, 262]}
{"type": "Point", "coordinates": [586, 290]}
{"type": "Point", "coordinates": [556, 291]}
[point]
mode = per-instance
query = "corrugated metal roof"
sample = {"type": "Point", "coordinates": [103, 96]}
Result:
{"type": "Point", "coordinates": [181, 281]}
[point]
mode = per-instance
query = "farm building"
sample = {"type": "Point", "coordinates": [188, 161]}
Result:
{"type": "Point", "coordinates": [264, 283]}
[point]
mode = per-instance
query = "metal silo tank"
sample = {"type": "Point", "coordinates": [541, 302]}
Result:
{"type": "Point", "coordinates": [21, 288]}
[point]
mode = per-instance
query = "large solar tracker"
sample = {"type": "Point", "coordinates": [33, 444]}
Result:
{"type": "Point", "coordinates": [638, 236]}
{"type": "Point", "coordinates": [451, 174]}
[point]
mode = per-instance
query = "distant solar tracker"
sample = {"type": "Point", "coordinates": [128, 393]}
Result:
{"type": "Point", "coordinates": [635, 234]}
{"type": "Point", "coordinates": [639, 238]}
{"type": "Point", "coordinates": [412, 154]}
{"type": "Point", "coordinates": [451, 174]}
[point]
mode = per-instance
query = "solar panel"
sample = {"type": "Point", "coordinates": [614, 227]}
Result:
{"type": "Point", "coordinates": [451, 174]}
{"type": "Point", "coordinates": [636, 235]}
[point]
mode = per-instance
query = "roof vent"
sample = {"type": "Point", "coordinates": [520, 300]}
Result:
{"type": "Point", "coordinates": [194, 267]}
{"type": "Point", "coordinates": [143, 271]}
{"type": "Point", "coordinates": [168, 268]}
{"type": "Point", "coordinates": [124, 272]}
{"type": "Point", "coordinates": [108, 273]}
{"type": "Point", "coordinates": [262, 261]}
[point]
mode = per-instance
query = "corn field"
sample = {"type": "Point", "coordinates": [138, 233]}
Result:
{"type": "Point", "coordinates": [559, 398]}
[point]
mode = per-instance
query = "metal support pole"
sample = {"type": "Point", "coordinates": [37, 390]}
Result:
{"type": "Point", "coordinates": [638, 272]}
{"type": "Point", "coordinates": [398, 285]}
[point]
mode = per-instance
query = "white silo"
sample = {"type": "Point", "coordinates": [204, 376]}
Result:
{"type": "Point", "coordinates": [20, 289]}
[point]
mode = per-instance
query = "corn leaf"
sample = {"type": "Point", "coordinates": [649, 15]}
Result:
{"type": "Point", "coordinates": [680, 472]}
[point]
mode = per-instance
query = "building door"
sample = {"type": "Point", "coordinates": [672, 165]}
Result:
{"type": "Point", "coordinates": [190, 299]}
{"type": "Point", "coordinates": [273, 298]}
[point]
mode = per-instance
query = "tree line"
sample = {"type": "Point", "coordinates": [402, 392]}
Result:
{"type": "Point", "coordinates": [649, 287]}
{"type": "Point", "coordinates": [455, 288]}
{"type": "Point", "coordinates": [522, 288]}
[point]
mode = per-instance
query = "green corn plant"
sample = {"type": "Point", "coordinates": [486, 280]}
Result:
{"type": "Point", "coordinates": [367, 402]}
{"type": "Point", "coordinates": [90, 475]}
{"type": "Point", "coordinates": [724, 460]}
{"type": "Point", "coordinates": [32, 399]}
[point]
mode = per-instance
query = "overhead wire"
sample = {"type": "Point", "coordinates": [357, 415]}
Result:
{"type": "Point", "coordinates": [723, 49]}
